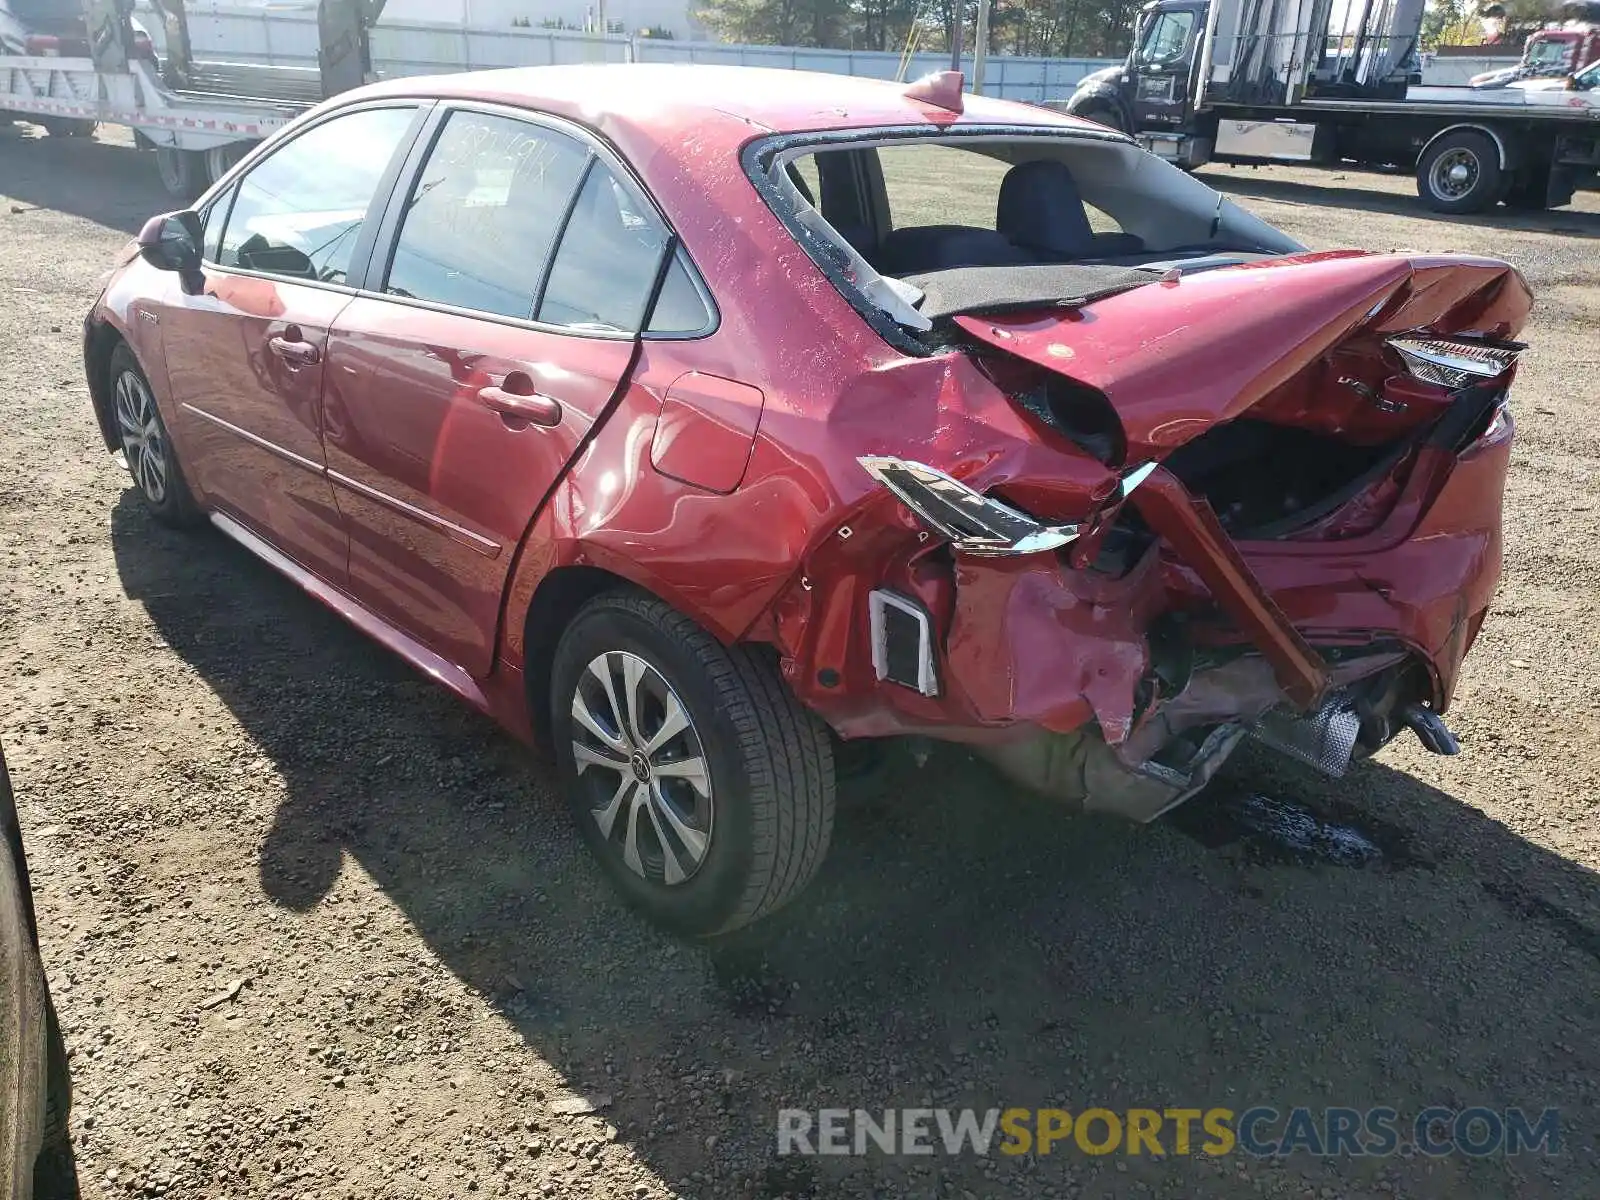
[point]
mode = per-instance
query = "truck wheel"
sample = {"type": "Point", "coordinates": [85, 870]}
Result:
{"type": "Point", "coordinates": [1102, 113]}
{"type": "Point", "coordinates": [1529, 193]}
{"type": "Point", "coordinates": [1460, 173]}
{"type": "Point", "coordinates": [222, 159]}
{"type": "Point", "coordinates": [701, 784]}
{"type": "Point", "coordinates": [183, 172]}
{"type": "Point", "coordinates": [68, 127]}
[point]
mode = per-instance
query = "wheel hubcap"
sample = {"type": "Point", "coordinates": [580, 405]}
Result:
{"type": "Point", "coordinates": [1455, 173]}
{"type": "Point", "coordinates": [643, 769]}
{"type": "Point", "coordinates": [144, 444]}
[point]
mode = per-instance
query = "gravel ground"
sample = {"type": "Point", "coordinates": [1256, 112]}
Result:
{"type": "Point", "coordinates": [317, 930]}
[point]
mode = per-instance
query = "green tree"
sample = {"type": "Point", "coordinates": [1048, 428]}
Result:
{"type": "Point", "coordinates": [1081, 28]}
{"type": "Point", "coordinates": [777, 22]}
{"type": "Point", "coordinates": [1443, 24]}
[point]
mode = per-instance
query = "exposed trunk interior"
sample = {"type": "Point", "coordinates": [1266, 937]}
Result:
{"type": "Point", "coordinates": [1267, 481]}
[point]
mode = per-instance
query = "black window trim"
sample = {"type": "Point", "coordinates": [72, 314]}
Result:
{"type": "Point", "coordinates": [227, 189]}
{"type": "Point", "coordinates": [228, 195]}
{"type": "Point", "coordinates": [387, 230]}
{"type": "Point", "coordinates": [759, 153]}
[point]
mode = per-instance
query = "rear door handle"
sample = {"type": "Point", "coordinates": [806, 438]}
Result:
{"type": "Point", "coordinates": [293, 348]}
{"type": "Point", "coordinates": [533, 407]}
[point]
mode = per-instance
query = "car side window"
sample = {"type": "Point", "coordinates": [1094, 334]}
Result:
{"type": "Point", "coordinates": [609, 256]}
{"type": "Point", "coordinates": [484, 214]}
{"type": "Point", "coordinates": [299, 212]}
{"type": "Point", "coordinates": [679, 308]}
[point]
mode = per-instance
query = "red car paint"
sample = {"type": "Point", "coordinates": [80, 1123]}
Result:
{"type": "Point", "coordinates": [720, 473]}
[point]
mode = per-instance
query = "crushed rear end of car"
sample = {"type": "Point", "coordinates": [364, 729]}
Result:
{"type": "Point", "coordinates": [1138, 527]}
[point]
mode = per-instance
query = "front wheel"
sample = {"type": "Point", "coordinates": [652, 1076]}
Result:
{"type": "Point", "coordinates": [146, 446]}
{"type": "Point", "coordinates": [700, 783]}
{"type": "Point", "coordinates": [1461, 173]}
{"type": "Point", "coordinates": [1102, 113]}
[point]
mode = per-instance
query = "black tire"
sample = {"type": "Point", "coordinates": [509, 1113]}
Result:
{"type": "Point", "coordinates": [1480, 183]}
{"type": "Point", "coordinates": [68, 127]}
{"type": "Point", "coordinates": [55, 1173]}
{"type": "Point", "coordinates": [1102, 113]}
{"type": "Point", "coordinates": [171, 503]}
{"type": "Point", "coordinates": [768, 811]}
{"type": "Point", "coordinates": [183, 172]}
{"type": "Point", "coordinates": [220, 160]}
{"type": "Point", "coordinates": [1529, 193]}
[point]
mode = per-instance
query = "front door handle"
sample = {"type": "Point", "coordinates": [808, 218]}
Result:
{"type": "Point", "coordinates": [519, 402]}
{"type": "Point", "coordinates": [292, 347]}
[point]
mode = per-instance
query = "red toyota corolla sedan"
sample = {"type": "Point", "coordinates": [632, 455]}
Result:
{"type": "Point", "coordinates": [695, 421]}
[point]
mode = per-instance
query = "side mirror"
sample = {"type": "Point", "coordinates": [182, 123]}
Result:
{"type": "Point", "coordinates": [171, 242]}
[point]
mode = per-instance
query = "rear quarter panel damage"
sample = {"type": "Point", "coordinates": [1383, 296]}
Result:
{"type": "Point", "coordinates": [788, 556]}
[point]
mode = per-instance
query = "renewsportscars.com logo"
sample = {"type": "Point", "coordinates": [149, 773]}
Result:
{"type": "Point", "coordinates": [1260, 1131]}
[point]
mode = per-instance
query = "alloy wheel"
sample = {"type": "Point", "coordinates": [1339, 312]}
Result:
{"type": "Point", "coordinates": [144, 442]}
{"type": "Point", "coordinates": [643, 767]}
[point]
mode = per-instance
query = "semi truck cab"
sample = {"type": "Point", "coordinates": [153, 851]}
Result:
{"type": "Point", "coordinates": [1154, 88]}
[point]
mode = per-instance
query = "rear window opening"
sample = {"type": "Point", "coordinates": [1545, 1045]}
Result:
{"type": "Point", "coordinates": [884, 214]}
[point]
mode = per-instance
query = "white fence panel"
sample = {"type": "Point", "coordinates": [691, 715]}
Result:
{"type": "Point", "coordinates": [289, 39]}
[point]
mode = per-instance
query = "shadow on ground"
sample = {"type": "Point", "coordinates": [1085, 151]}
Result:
{"type": "Point", "coordinates": [109, 183]}
{"type": "Point", "coordinates": [1343, 188]}
{"type": "Point", "coordinates": [964, 945]}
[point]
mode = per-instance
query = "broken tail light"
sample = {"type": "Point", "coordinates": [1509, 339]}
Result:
{"type": "Point", "coordinates": [975, 523]}
{"type": "Point", "coordinates": [1455, 362]}
{"type": "Point", "coordinates": [1464, 366]}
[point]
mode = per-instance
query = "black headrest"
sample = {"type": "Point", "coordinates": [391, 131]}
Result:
{"type": "Point", "coordinates": [1040, 208]}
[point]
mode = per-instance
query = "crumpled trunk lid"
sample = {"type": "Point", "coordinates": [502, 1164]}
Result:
{"type": "Point", "coordinates": [1178, 357]}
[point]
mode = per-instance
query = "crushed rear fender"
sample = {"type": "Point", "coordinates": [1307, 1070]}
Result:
{"type": "Point", "coordinates": [1204, 627]}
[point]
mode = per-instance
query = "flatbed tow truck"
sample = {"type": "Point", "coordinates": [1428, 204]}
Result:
{"type": "Point", "coordinates": [199, 118]}
{"type": "Point", "coordinates": [1252, 81]}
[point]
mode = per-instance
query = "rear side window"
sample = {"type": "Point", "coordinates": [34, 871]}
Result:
{"type": "Point", "coordinates": [680, 308]}
{"type": "Point", "coordinates": [484, 214]}
{"type": "Point", "coordinates": [610, 254]}
{"type": "Point", "coordinates": [299, 212]}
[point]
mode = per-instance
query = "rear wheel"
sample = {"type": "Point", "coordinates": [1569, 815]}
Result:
{"type": "Point", "coordinates": [1461, 173]}
{"type": "Point", "coordinates": [70, 127]}
{"type": "Point", "coordinates": [1529, 192]}
{"type": "Point", "coordinates": [146, 446]}
{"type": "Point", "coordinates": [700, 783]}
{"type": "Point", "coordinates": [183, 172]}
{"type": "Point", "coordinates": [221, 159]}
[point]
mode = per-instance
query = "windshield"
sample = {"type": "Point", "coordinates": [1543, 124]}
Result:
{"type": "Point", "coordinates": [1165, 37]}
{"type": "Point", "coordinates": [887, 214]}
